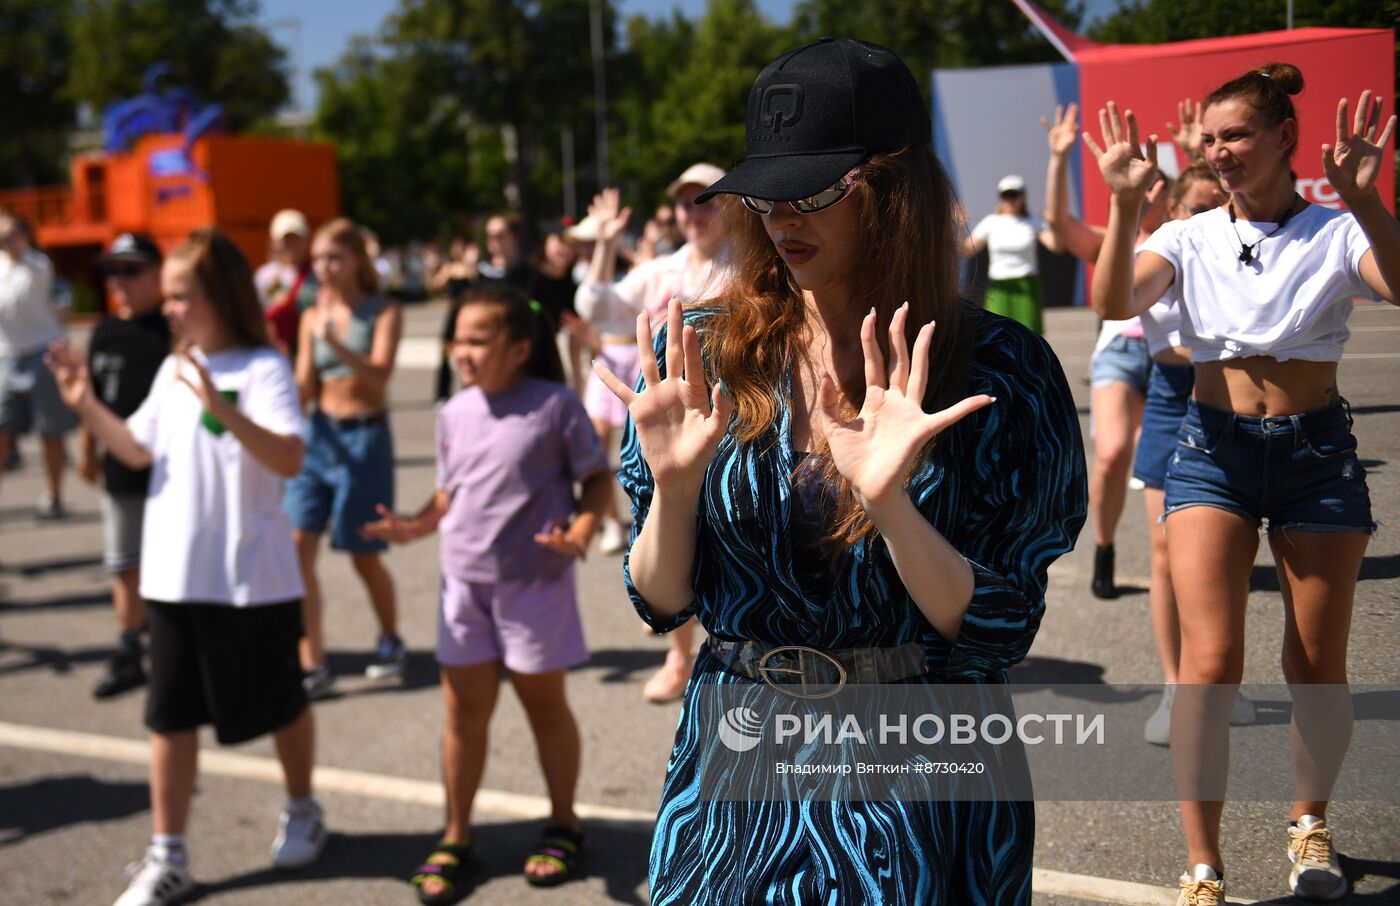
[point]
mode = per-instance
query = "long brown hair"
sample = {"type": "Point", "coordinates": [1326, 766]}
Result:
{"type": "Point", "coordinates": [226, 280]}
{"type": "Point", "coordinates": [757, 337]}
{"type": "Point", "coordinates": [345, 233]}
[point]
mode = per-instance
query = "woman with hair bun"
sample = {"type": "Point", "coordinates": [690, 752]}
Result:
{"type": "Point", "coordinates": [1265, 286]}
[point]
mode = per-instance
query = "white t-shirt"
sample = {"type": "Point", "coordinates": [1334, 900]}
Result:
{"type": "Point", "coordinates": [28, 322]}
{"type": "Point", "coordinates": [1291, 302]}
{"type": "Point", "coordinates": [214, 530]}
{"type": "Point", "coordinates": [612, 308]}
{"type": "Point", "coordinates": [1161, 324]}
{"type": "Point", "coordinates": [1011, 243]}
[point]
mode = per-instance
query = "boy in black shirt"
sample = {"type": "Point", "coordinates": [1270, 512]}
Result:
{"type": "Point", "coordinates": [124, 355]}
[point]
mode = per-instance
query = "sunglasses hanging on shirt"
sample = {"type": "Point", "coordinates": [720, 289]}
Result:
{"type": "Point", "coordinates": [1247, 251]}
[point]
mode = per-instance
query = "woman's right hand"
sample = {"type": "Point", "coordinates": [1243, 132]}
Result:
{"type": "Point", "coordinates": [1063, 131]}
{"type": "Point", "coordinates": [679, 425]}
{"type": "Point", "coordinates": [71, 373]}
{"type": "Point", "coordinates": [1127, 172]}
{"type": "Point", "coordinates": [610, 215]}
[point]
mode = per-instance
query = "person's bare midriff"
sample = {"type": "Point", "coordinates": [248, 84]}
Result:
{"type": "Point", "coordinates": [1264, 386]}
{"type": "Point", "coordinates": [345, 397]}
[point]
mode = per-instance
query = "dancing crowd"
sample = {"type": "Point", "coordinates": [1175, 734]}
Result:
{"type": "Point", "coordinates": [824, 443]}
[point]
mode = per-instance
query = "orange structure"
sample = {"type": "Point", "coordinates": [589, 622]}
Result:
{"type": "Point", "coordinates": [234, 182]}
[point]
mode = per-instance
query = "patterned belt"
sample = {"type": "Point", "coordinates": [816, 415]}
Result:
{"type": "Point", "coordinates": [803, 672]}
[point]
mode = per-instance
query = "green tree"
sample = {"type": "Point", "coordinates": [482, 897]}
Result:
{"type": "Point", "coordinates": [522, 67]}
{"type": "Point", "coordinates": [929, 34]}
{"type": "Point", "coordinates": [212, 46]}
{"type": "Point", "coordinates": [1162, 21]}
{"type": "Point", "coordinates": [688, 91]}
{"type": "Point", "coordinates": [34, 52]}
{"type": "Point", "coordinates": [411, 160]}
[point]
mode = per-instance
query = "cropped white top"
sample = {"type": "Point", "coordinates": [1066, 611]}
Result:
{"type": "Point", "coordinates": [1291, 301]}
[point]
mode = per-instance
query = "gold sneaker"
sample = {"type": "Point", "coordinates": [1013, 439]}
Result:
{"type": "Point", "coordinates": [1316, 874]}
{"type": "Point", "coordinates": [1201, 886]}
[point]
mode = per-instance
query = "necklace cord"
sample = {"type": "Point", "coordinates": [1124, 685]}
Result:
{"type": "Point", "coordinates": [1247, 251]}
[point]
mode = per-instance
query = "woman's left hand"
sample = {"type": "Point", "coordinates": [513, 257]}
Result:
{"type": "Point", "coordinates": [1354, 163]}
{"type": "Point", "coordinates": [874, 450]}
{"type": "Point", "coordinates": [214, 402]}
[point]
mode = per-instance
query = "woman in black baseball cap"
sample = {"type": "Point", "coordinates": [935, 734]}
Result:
{"type": "Point", "coordinates": [838, 509]}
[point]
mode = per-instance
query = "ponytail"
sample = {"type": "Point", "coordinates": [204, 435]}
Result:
{"type": "Point", "coordinates": [524, 319]}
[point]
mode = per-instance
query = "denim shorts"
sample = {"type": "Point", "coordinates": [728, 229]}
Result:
{"type": "Point", "coordinates": [348, 470]}
{"type": "Point", "coordinates": [1295, 472]}
{"type": "Point", "coordinates": [29, 398]}
{"type": "Point", "coordinates": [1168, 392]}
{"type": "Point", "coordinates": [1124, 359]}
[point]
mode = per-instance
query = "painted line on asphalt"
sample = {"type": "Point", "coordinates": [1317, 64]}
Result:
{"type": "Point", "coordinates": [331, 780]}
{"type": "Point", "coordinates": [496, 802]}
{"type": "Point", "coordinates": [1106, 890]}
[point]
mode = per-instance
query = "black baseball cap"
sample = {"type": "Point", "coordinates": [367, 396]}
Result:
{"type": "Point", "coordinates": [133, 248]}
{"type": "Point", "coordinates": [816, 112]}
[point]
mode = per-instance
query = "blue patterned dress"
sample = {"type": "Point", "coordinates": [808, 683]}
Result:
{"type": "Point", "coordinates": [1006, 487]}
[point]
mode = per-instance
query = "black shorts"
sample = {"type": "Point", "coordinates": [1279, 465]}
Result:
{"type": "Point", "coordinates": [234, 667]}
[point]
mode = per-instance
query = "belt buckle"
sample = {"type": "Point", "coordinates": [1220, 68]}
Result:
{"type": "Point", "coordinates": [764, 669]}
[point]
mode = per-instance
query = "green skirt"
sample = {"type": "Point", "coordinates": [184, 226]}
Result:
{"type": "Point", "coordinates": [1019, 299]}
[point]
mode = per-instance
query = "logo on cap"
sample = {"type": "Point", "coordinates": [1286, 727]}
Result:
{"type": "Point", "coordinates": [125, 243]}
{"type": "Point", "coordinates": [781, 105]}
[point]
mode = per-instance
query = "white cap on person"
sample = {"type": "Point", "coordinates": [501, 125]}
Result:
{"type": "Point", "coordinates": [702, 175]}
{"type": "Point", "coordinates": [586, 230]}
{"type": "Point", "coordinates": [1011, 183]}
{"type": "Point", "coordinates": [287, 222]}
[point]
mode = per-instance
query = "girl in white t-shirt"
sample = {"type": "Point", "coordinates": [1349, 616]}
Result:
{"type": "Point", "coordinates": [1265, 286]}
{"type": "Point", "coordinates": [1010, 235]}
{"type": "Point", "coordinates": [220, 430]}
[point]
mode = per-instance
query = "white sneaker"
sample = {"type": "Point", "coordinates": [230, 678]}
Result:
{"type": "Point", "coordinates": [1242, 714]}
{"type": "Point", "coordinates": [156, 882]}
{"type": "Point", "coordinates": [1201, 886]}
{"type": "Point", "coordinates": [613, 539]}
{"type": "Point", "coordinates": [1316, 874]}
{"type": "Point", "coordinates": [301, 836]}
{"type": "Point", "coordinates": [1158, 730]}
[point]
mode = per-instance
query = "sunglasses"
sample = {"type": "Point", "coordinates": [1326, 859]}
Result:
{"type": "Point", "coordinates": [124, 270]}
{"type": "Point", "coordinates": [1010, 194]}
{"type": "Point", "coordinates": [824, 199]}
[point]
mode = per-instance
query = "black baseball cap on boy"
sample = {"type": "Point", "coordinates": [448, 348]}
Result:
{"type": "Point", "coordinates": [131, 248]}
{"type": "Point", "coordinates": [816, 112]}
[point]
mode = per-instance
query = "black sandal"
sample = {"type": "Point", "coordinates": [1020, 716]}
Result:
{"type": "Point", "coordinates": [449, 863]}
{"type": "Point", "coordinates": [560, 847]}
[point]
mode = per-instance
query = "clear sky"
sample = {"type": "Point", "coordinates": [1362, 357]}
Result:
{"type": "Point", "coordinates": [325, 27]}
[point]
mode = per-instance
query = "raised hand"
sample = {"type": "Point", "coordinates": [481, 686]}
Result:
{"type": "Point", "coordinates": [1187, 134]}
{"type": "Point", "coordinates": [1063, 131]}
{"type": "Point", "coordinates": [874, 450]}
{"type": "Point", "coordinates": [71, 373]}
{"type": "Point", "coordinates": [608, 212]}
{"type": "Point", "coordinates": [679, 424]}
{"type": "Point", "coordinates": [202, 384]}
{"type": "Point", "coordinates": [1354, 163]}
{"type": "Point", "coordinates": [1126, 171]}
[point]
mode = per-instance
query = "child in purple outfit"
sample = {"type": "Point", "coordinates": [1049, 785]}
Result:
{"type": "Point", "coordinates": [511, 446]}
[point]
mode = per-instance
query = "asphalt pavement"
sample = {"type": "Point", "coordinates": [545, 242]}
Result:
{"type": "Point", "coordinates": [73, 797]}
